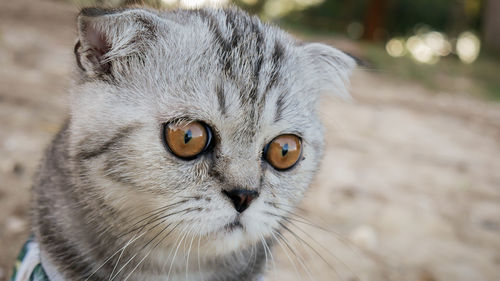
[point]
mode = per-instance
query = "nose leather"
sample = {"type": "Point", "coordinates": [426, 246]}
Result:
{"type": "Point", "coordinates": [241, 198]}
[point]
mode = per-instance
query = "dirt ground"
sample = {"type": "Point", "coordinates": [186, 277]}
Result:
{"type": "Point", "coordinates": [409, 189]}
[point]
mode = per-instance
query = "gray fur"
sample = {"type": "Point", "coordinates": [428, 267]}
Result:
{"type": "Point", "coordinates": [249, 81]}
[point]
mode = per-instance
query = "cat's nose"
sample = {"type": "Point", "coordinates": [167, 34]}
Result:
{"type": "Point", "coordinates": [241, 198]}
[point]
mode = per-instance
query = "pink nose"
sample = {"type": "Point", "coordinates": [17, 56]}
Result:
{"type": "Point", "coordinates": [241, 198]}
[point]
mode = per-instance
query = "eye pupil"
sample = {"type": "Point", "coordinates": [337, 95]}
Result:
{"type": "Point", "coordinates": [284, 151]}
{"type": "Point", "coordinates": [188, 136]}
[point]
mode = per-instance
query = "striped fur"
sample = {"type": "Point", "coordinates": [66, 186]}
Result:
{"type": "Point", "coordinates": [138, 69]}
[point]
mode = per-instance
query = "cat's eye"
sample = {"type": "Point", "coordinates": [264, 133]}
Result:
{"type": "Point", "coordinates": [283, 152]}
{"type": "Point", "coordinates": [187, 139]}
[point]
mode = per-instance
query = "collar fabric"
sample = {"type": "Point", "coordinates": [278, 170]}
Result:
{"type": "Point", "coordinates": [28, 266]}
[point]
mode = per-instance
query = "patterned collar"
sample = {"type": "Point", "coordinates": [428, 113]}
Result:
{"type": "Point", "coordinates": [28, 266]}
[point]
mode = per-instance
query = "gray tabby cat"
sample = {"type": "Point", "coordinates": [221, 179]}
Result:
{"type": "Point", "coordinates": [192, 135]}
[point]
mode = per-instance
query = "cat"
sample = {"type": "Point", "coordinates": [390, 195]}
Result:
{"type": "Point", "coordinates": [192, 135]}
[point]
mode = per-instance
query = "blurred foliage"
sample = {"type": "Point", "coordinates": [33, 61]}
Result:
{"type": "Point", "coordinates": [449, 75]}
{"type": "Point", "coordinates": [399, 17]}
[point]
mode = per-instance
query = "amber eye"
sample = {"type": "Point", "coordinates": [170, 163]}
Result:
{"type": "Point", "coordinates": [283, 151]}
{"type": "Point", "coordinates": [187, 139]}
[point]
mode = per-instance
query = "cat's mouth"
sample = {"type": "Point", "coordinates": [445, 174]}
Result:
{"type": "Point", "coordinates": [236, 224]}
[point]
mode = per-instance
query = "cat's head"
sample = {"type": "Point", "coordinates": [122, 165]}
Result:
{"type": "Point", "coordinates": [206, 119]}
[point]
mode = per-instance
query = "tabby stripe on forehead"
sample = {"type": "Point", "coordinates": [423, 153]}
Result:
{"type": "Point", "coordinates": [221, 98]}
{"type": "Point", "coordinates": [214, 27]}
{"type": "Point", "coordinates": [233, 43]}
{"type": "Point", "coordinates": [280, 104]}
{"type": "Point", "coordinates": [148, 25]}
{"type": "Point", "coordinates": [250, 97]}
{"type": "Point", "coordinates": [113, 141]}
{"type": "Point", "coordinates": [230, 20]}
{"type": "Point", "coordinates": [277, 58]}
{"type": "Point", "coordinates": [258, 63]}
{"type": "Point", "coordinates": [226, 45]}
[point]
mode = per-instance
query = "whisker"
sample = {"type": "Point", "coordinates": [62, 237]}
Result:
{"type": "Point", "coordinates": [199, 264]}
{"type": "Point", "coordinates": [163, 219]}
{"type": "Point", "coordinates": [270, 253]}
{"type": "Point", "coordinates": [307, 244]}
{"type": "Point", "coordinates": [291, 207]}
{"type": "Point", "coordinates": [159, 210]}
{"type": "Point", "coordinates": [108, 259]}
{"type": "Point", "coordinates": [175, 243]}
{"type": "Point", "coordinates": [316, 251]}
{"type": "Point", "coordinates": [306, 221]}
{"type": "Point", "coordinates": [354, 248]}
{"type": "Point", "coordinates": [151, 213]}
{"type": "Point", "coordinates": [149, 242]}
{"type": "Point", "coordinates": [149, 252]}
{"type": "Point", "coordinates": [253, 256]}
{"type": "Point", "coordinates": [186, 210]}
{"type": "Point", "coordinates": [140, 262]}
{"type": "Point", "coordinates": [187, 259]}
{"type": "Point", "coordinates": [138, 229]}
{"type": "Point", "coordinates": [175, 254]}
{"type": "Point", "coordinates": [299, 257]}
{"type": "Point", "coordinates": [286, 253]}
{"type": "Point", "coordinates": [156, 217]}
{"type": "Point", "coordinates": [265, 251]}
{"type": "Point", "coordinates": [118, 261]}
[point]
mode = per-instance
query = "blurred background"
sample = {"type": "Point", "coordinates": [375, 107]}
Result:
{"type": "Point", "coordinates": [409, 188]}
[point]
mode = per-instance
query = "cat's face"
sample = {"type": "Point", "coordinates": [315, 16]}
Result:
{"type": "Point", "coordinates": [238, 83]}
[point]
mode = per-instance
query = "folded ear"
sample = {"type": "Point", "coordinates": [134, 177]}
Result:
{"type": "Point", "coordinates": [331, 67]}
{"type": "Point", "coordinates": [107, 35]}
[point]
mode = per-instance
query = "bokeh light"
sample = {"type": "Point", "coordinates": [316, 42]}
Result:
{"type": "Point", "coordinates": [169, 2]}
{"type": "Point", "coordinates": [279, 8]}
{"type": "Point", "coordinates": [468, 46]}
{"type": "Point", "coordinates": [420, 51]}
{"type": "Point", "coordinates": [193, 4]}
{"type": "Point", "coordinates": [438, 43]}
{"type": "Point", "coordinates": [249, 2]}
{"type": "Point", "coordinates": [396, 47]}
{"type": "Point", "coordinates": [428, 46]}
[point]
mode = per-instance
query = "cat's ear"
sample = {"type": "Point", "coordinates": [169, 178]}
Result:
{"type": "Point", "coordinates": [331, 68]}
{"type": "Point", "coordinates": [106, 35]}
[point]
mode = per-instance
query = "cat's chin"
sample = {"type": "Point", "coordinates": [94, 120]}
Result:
{"type": "Point", "coordinates": [231, 238]}
{"type": "Point", "coordinates": [240, 232]}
